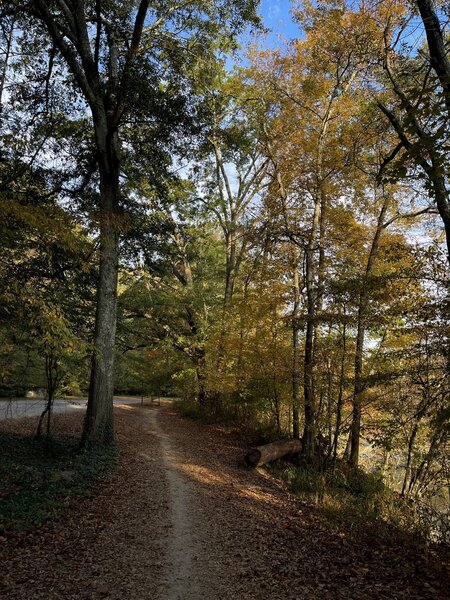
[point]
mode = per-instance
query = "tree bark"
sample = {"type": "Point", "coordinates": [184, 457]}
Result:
{"type": "Point", "coordinates": [441, 196]}
{"type": "Point", "coordinates": [99, 420]}
{"type": "Point", "coordinates": [360, 337]}
{"type": "Point", "coordinates": [340, 400]}
{"type": "Point", "coordinates": [436, 45]}
{"type": "Point", "coordinates": [264, 454]}
{"type": "Point", "coordinates": [309, 434]}
{"type": "Point", "coordinates": [71, 32]}
{"type": "Point", "coordinates": [295, 358]}
{"type": "Point", "coordinates": [4, 67]}
{"type": "Point", "coordinates": [294, 259]}
{"type": "Point", "coordinates": [202, 387]}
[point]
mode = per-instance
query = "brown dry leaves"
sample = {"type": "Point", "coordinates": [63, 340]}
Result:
{"type": "Point", "coordinates": [260, 543]}
{"type": "Point", "coordinates": [256, 542]}
{"type": "Point", "coordinates": [109, 545]}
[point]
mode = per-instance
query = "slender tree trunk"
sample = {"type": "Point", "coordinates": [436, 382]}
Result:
{"type": "Point", "coordinates": [5, 61]}
{"type": "Point", "coordinates": [329, 411]}
{"type": "Point", "coordinates": [199, 360]}
{"type": "Point", "coordinates": [295, 358]}
{"type": "Point", "coordinates": [309, 433]}
{"type": "Point", "coordinates": [314, 289]}
{"type": "Point", "coordinates": [276, 402]}
{"type": "Point", "coordinates": [202, 386]}
{"type": "Point", "coordinates": [231, 266]}
{"type": "Point", "coordinates": [407, 476]}
{"type": "Point", "coordinates": [419, 475]}
{"type": "Point", "coordinates": [51, 374]}
{"type": "Point", "coordinates": [340, 401]}
{"type": "Point", "coordinates": [99, 420]}
{"type": "Point", "coordinates": [360, 337]}
{"type": "Point", "coordinates": [358, 386]}
{"type": "Point", "coordinates": [321, 264]}
{"type": "Point", "coordinates": [295, 376]}
{"type": "Point", "coordinates": [309, 391]}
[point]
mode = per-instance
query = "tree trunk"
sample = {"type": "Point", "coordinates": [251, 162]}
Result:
{"type": "Point", "coordinates": [107, 96]}
{"type": "Point", "coordinates": [264, 454]}
{"type": "Point", "coordinates": [314, 291]}
{"type": "Point", "coordinates": [295, 375]}
{"type": "Point", "coordinates": [441, 196]}
{"type": "Point", "coordinates": [411, 441]}
{"type": "Point", "coordinates": [295, 358]}
{"type": "Point", "coordinates": [51, 374]}
{"type": "Point", "coordinates": [436, 45]}
{"type": "Point", "coordinates": [360, 336]}
{"type": "Point", "coordinates": [5, 61]}
{"type": "Point", "coordinates": [231, 265]}
{"type": "Point", "coordinates": [358, 386]}
{"type": "Point", "coordinates": [340, 401]}
{"type": "Point", "coordinates": [419, 475]}
{"type": "Point", "coordinates": [99, 420]}
{"type": "Point", "coordinates": [202, 390]}
{"type": "Point", "coordinates": [311, 298]}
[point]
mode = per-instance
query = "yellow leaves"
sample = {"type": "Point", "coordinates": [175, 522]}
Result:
{"type": "Point", "coordinates": [388, 11]}
{"type": "Point", "coordinates": [336, 32]}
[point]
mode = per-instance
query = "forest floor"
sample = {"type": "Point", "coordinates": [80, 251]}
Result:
{"type": "Point", "coordinates": [181, 518]}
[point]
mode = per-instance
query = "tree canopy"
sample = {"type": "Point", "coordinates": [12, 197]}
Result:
{"type": "Point", "coordinates": [267, 239]}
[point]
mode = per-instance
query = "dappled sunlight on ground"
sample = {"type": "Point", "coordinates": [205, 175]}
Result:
{"type": "Point", "coordinates": [205, 475]}
{"type": "Point", "coordinates": [125, 407]}
{"type": "Point", "coordinates": [276, 546]}
{"type": "Point", "coordinates": [182, 518]}
{"type": "Point", "coordinates": [209, 477]}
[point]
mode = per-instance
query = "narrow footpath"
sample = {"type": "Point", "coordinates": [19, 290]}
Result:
{"type": "Point", "coordinates": [182, 519]}
{"type": "Point", "coordinates": [180, 580]}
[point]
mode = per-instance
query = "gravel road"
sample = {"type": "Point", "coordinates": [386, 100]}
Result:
{"type": "Point", "coordinates": [17, 408]}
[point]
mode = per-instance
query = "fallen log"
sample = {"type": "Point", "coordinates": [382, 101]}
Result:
{"type": "Point", "coordinates": [261, 455]}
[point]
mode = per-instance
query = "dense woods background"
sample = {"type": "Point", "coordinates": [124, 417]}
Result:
{"type": "Point", "coordinates": [271, 238]}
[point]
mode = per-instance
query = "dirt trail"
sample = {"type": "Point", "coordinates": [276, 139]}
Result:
{"type": "Point", "coordinates": [181, 519]}
{"type": "Point", "coordinates": [180, 580]}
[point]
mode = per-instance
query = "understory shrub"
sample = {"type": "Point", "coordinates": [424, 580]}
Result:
{"type": "Point", "coordinates": [344, 494]}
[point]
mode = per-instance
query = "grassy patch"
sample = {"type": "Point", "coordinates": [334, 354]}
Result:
{"type": "Point", "coordinates": [360, 499]}
{"type": "Point", "coordinates": [38, 481]}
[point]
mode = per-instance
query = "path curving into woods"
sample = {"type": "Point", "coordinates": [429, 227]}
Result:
{"type": "Point", "coordinates": [182, 519]}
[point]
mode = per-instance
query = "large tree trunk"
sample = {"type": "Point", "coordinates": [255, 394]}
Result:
{"type": "Point", "coordinates": [441, 196]}
{"type": "Point", "coordinates": [436, 44]}
{"type": "Point", "coordinates": [99, 421]}
{"type": "Point", "coordinates": [105, 88]}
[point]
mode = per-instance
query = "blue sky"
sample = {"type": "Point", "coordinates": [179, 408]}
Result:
{"type": "Point", "coordinates": [277, 19]}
